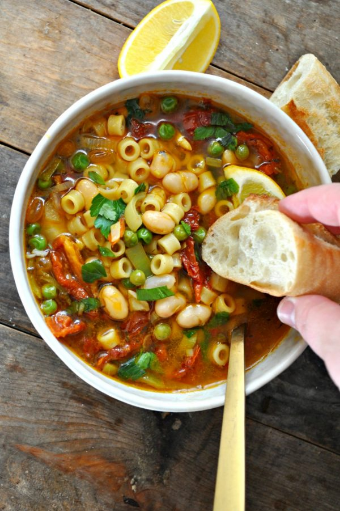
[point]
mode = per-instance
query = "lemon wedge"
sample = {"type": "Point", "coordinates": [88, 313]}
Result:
{"type": "Point", "coordinates": [177, 34]}
{"type": "Point", "coordinates": [252, 181]}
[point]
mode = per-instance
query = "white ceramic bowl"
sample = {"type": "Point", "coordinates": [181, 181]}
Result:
{"type": "Point", "coordinates": [293, 142]}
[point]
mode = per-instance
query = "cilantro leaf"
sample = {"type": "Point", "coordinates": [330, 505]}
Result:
{"type": "Point", "coordinates": [106, 252]}
{"type": "Point", "coordinates": [134, 110]}
{"type": "Point", "coordinates": [221, 318]}
{"type": "Point", "coordinates": [104, 225]}
{"type": "Point", "coordinates": [220, 119]}
{"type": "Point", "coordinates": [156, 293]}
{"type": "Point", "coordinates": [203, 132]}
{"type": "Point", "coordinates": [141, 188]}
{"type": "Point", "coordinates": [93, 271]}
{"type": "Point", "coordinates": [96, 178]}
{"type": "Point", "coordinates": [186, 227]}
{"type": "Point", "coordinates": [226, 188]}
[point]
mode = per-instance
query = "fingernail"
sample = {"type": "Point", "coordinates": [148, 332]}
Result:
{"type": "Point", "coordinates": [286, 311]}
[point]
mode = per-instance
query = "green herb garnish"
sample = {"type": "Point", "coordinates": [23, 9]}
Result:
{"type": "Point", "coordinates": [134, 110]}
{"type": "Point", "coordinates": [96, 178]}
{"type": "Point", "coordinates": [226, 188]}
{"type": "Point", "coordinates": [85, 305]}
{"type": "Point", "coordinates": [221, 318]}
{"type": "Point", "coordinates": [106, 252]}
{"type": "Point", "coordinates": [156, 293]}
{"type": "Point", "coordinates": [107, 211]}
{"type": "Point", "coordinates": [203, 132]}
{"type": "Point", "coordinates": [136, 367]}
{"type": "Point", "coordinates": [220, 119]}
{"type": "Point", "coordinates": [93, 271]}
{"type": "Point", "coordinates": [141, 188]}
{"type": "Point", "coordinates": [186, 227]}
{"type": "Point", "coordinates": [190, 333]}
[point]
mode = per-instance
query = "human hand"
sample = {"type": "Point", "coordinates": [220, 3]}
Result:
{"type": "Point", "coordinates": [316, 318]}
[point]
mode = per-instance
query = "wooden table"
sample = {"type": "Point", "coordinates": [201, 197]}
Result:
{"type": "Point", "coordinates": [65, 446]}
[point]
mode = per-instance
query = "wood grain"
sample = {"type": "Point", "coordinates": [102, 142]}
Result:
{"type": "Point", "coordinates": [68, 447]}
{"type": "Point", "coordinates": [37, 81]}
{"type": "Point", "coordinates": [302, 401]}
{"type": "Point", "coordinates": [260, 40]}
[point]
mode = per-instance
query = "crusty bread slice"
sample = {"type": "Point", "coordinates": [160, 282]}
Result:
{"type": "Point", "coordinates": [258, 246]}
{"type": "Point", "coordinates": [311, 97]}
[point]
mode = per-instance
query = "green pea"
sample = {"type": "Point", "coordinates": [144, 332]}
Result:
{"type": "Point", "coordinates": [162, 331]}
{"type": "Point", "coordinates": [180, 233]}
{"type": "Point", "coordinates": [49, 291]}
{"type": "Point", "coordinates": [169, 105]}
{"type": "Point", "coordinates": [38, 241]}
{"type": "Point", "coordinates": [137, 278]}
{"type": "Point", "coordinates": [242, 152]}
{"type": "Point", "coordinates": [80, 161]}
{"type": "Point", "coordinates": [33, 229]}
{"type": "Point", "coordinates": [145, 235]}
{"type": "Point", "coordinates": [232, 146]}
{"type": "Point", "coordinates": [43, 185]}
{"type": "Point", "coordinates": [130, 238]}
{"type": "Point", "coordinates": [48, 307]}
{"type": "Point", "coordinates": [127, 284]}
{"type": "Point", "coordinates": [215, 149]}
{"type": "Point", "coordinates": [199, 235]}
{"type": "Point", "coordinates": [166, 131]}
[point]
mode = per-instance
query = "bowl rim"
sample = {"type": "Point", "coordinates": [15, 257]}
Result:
{"type": "Point", "coordinates": [130, 395]}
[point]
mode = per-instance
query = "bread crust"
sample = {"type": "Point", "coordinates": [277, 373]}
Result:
{"type": "Point", "coordinates": [311, 97]}
{"type": "Point", "coordinates": [317, 265]}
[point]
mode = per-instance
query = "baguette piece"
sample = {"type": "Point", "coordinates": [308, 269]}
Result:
{"type": "Point", "coordinates": [311, 97]}
{"type": "Point", "coordinates": [258, 246]}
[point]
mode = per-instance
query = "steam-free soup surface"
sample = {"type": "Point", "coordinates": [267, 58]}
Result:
{"type": "Point", "coordinates": [114, 229]}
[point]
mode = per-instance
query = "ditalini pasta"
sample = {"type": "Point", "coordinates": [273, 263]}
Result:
{"type": "Point", "coordinates": [113, 239]}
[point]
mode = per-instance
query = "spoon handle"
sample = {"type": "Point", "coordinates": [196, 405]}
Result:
{"type": "Point", "coordinates": [230, 483]}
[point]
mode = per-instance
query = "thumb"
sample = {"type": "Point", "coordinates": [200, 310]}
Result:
{"type": "Point", "coordinates": [318, 321]}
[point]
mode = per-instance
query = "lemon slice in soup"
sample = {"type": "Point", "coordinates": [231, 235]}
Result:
{"type": "Point", "coordinates": [252, 181]}
{"type": "Point", "coordinates": [177, 34]}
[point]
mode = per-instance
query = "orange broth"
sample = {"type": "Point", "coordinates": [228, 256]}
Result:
{"type": "Point", "coordinates": [142, 348]}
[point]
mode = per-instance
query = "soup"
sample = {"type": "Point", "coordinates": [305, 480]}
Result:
{"type": "Point", "coordinates": [114, 227]}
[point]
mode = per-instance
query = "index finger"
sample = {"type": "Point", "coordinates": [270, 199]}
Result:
{"type": "Point", "coordinates": [316, 204]}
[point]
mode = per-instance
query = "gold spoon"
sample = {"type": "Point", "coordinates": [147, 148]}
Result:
{"type": "Point", "coordinates": [230, 483]}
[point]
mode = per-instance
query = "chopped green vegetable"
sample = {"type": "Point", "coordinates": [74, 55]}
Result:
{"type": "Point", "coordinates": [85, 305]}
{"type": "Point", "coordinates": [226, 188]}
{"type": "Point", "coordinates": [134, 110]}
{"type": "Point", "coordinates": [137, 277]}
{"type": "Point", "coordinates": [93, 271]}
{"type": "Point", "coordinates": [43, 185]}
{"type": "Point", "coordinates": [221, 318]}
{"type": "Point", "coordinates": [203, 132]}
{"type": "Point", "coordinates": [214, 163]}
{"type": "Point", "coordinates": [56, 164]}
{"type": "Point", "coordinates": [169, 105]}
{"type": "Point", "coordinates": [110, 369]}
{"type": "Point", "coordinates": [136, 367]}
{"type": "Point", "coordinates": [190, 333]}
{"type": "Point", "coordinates": [156, 293]}
{"type": "Point", "coordinates": [139, 259]}
{"type": "Point", "coordinates": [220, 119]}
{"type": "Point", "coordinates": [96, 178]}
{"type": "Point", "coordinates": [141, 188]}
{"type": "Point", "coordinates": [38, 241]}
{"type": "Point", "coordinates": [166, 131]}
{"type": "Point", "coordinates": [106, 252]}
{"type": "Point", "coordinates": [186, 227]}
{"type": "Point", "coordinates": [242, 152]}
{"type": "Point", "coordinates": [48, 307]}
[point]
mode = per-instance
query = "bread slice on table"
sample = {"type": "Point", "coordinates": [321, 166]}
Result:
{"type": "Point", "coordinates": [311, 97]}
{"type": "Point", "coordinates": [258, 246]}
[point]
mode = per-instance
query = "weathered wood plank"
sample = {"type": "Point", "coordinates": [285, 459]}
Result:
{"type": "Point", "coordinates": [68, 447]}
{"type": "Point", "coordinates": [260, 40]}
{"type": "Point", "coordinates": [302, 401]}
{"type": "Point", "coordinates": [64, 52]}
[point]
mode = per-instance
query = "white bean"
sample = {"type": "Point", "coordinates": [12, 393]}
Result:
{"type": "Point", "coordinates": [158, 281]}
{"type": "Point", "coordinates": [180, 182]}
{"type": "Point", "coordinates": [114, 302]}
{"type": "Point", "coordinates": [194, 315]}
{"type": "Point", "coordinates": [158, 222]}
{"type": "Point", "coordinates": [166, 307]}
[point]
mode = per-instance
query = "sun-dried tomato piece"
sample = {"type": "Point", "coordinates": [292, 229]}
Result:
{"type": "Point", "coordinates": [135, 323]}
{"type": "Point", "coordinates": [62, 325]}
{"type": "Point", "coordinates": [192, 218]}
{"type": "Point", "coordinates": [264, 148]}
{"type": "Point", "coordinates": [140, 129]}
{"type": "Point", "coordinates": [187, 364]}
{"type": "Point", "coordinates": [195, 118]}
